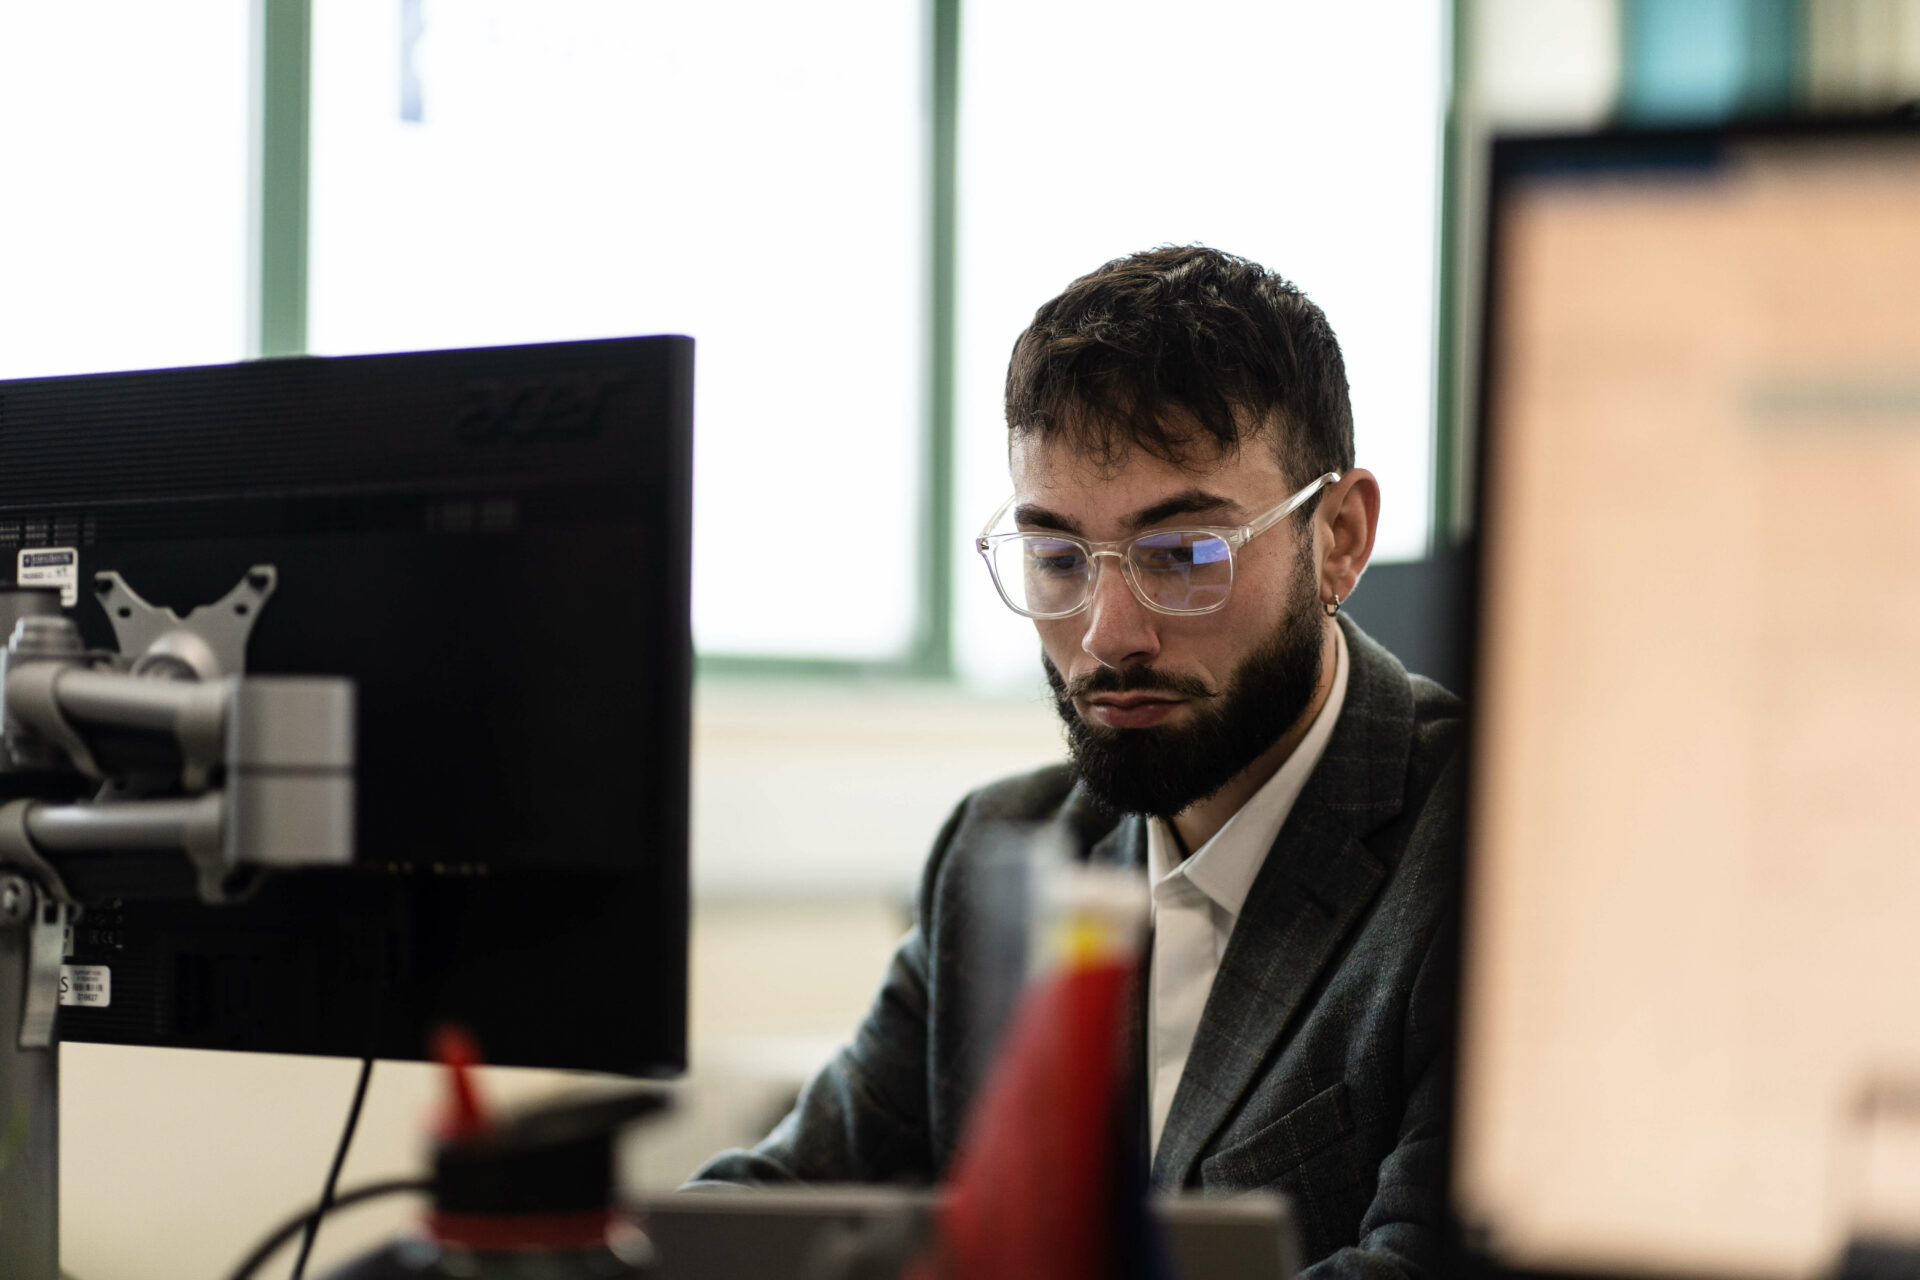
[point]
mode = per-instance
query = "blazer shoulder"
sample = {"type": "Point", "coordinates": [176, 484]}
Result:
{"type": "Point", "coordinates": [1027, 797]}
{"type": "Point", "coordinates": [1433, 700]}
{"type": "Point", "coordinates": [1439, 723]}
{"type": "Point", "coordinates": [979, 825]}
{"type": "Point", "coordinates": [1435, 796]}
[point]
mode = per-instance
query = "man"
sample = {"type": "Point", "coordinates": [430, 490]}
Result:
{"type": "Point", "coordinates": [1185, 524]}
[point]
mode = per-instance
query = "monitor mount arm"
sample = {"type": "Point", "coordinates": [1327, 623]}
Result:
{"type": "Point", "coordinates": [192, 758]}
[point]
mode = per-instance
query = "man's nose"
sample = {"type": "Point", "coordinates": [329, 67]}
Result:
{"type": "Point", "coordinates": [1121, 632]}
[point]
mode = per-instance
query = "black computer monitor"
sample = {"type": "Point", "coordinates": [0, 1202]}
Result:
{"type": "Point", "coordinates": [493, 545]}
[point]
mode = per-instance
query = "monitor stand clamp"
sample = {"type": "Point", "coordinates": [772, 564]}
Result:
{"type": "Point", "coordinates": [30, 951]}
{"type": "Point", "coordinates": [264, 780]}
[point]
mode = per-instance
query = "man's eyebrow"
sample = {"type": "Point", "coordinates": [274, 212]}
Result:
{"type": "Point", "coordinates": [1186, 503]}
{"type": "Point", "coordinates": [1027, 514]}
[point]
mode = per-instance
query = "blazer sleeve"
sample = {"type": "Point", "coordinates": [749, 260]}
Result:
{"type": "Point", "coordinates": [1403, 1234]}
{"type": "Point", "coordinates": [864, 1116]}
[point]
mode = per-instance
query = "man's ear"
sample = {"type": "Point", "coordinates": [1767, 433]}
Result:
{"type": "Point", "coordinates": [1349, 516]}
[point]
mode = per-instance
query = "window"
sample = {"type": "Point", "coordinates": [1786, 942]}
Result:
{"type": "Point", "coordinates": [759, 176]}
{"type": "Point", "coordinates": [1303, 135]}
{"type": "Point", "coordinates": [123, 135]}
{"type": "Point", "coordinates": [753, 176]}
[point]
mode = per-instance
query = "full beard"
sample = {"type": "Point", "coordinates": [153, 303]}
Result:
{"type": "Point", "coordinates": [1163, 770]}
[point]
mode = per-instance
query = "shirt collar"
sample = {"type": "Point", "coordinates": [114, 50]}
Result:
{"type": "Point", "coordinates": [1224, 868]}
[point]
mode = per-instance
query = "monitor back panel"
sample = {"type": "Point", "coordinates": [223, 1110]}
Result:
{"type": "Point", "coordinates": [493, 545]}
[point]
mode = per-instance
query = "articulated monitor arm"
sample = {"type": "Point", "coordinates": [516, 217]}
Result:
{"type": "Point", "coordinates": [194, 758]}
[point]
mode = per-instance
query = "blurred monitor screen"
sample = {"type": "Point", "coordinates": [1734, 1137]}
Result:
{"type": "Point", "coordinates": [1690, 1034]}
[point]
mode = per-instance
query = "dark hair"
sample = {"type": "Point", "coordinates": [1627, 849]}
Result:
{"type": "Point", "coordinates": [1159, 349]}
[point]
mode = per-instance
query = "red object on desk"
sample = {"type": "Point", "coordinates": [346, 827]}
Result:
{"type": "Point", "coordinates": [465, 1116]}
{"type": "Point", "coordinates": [1035, 1189]}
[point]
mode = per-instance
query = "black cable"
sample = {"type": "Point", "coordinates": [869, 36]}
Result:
{"type": "Point", "coordinates": [333, 1174]}
{"type": "Point", "coordinates": [286, 1230]}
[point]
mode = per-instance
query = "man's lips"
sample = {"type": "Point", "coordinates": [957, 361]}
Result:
{"type": "Point", "coordinates": [1132, 710]}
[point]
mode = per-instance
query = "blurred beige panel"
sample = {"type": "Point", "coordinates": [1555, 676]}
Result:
{"type": "Point", "coordinates": [1861, 55]}
{"type": "Point", "coordinates": [1696, 870]}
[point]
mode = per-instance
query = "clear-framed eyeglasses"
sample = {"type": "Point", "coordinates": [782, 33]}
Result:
{"type": "Point", "coordinates": [1176, 571]}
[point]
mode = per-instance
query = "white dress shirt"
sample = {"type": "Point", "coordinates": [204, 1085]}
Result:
{"type": "Point", "coordinates": [1197, 901]}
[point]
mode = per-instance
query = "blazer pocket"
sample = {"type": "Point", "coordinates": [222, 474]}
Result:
{"type": "Point", "coordinates": [1260, 1160]}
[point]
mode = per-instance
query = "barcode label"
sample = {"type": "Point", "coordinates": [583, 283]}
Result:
{"type": "Point", "coordinates": [50, 567]}
{"type": "Point", "coordinates": [87, 985]}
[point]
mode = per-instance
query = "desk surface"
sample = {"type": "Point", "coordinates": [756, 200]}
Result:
{"type": "Point", "coordinates": [808, 1234]}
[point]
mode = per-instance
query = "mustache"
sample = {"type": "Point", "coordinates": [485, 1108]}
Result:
{"type": "Point", "coordinates": [1126, 680]}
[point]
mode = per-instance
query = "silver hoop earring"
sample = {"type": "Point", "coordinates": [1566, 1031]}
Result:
{"type": "Point", "coordinates": [1332, 610]}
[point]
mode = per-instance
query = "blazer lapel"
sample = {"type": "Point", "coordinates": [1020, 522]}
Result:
{"type": "Point", "coordinates": [1126, 846]}
{"type": "Point", "coordinates": [1318, 878]}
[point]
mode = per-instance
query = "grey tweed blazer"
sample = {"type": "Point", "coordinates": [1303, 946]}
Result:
{"type": "Point", "coordinates": [1319, 1066]}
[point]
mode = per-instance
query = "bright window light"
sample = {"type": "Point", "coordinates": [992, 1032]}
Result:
{"type": "Point", "coordinates": [490, 171]}
{"type": "Point", "coordinates": [123, 137]}
{"type": "Point", "coordinates": [1302, 134]}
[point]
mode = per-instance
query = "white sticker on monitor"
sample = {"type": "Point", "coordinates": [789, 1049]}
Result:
{"type": "Point", "coordinates": [51, 567]}
{"type": "Point", "coordinates": [88, 985]}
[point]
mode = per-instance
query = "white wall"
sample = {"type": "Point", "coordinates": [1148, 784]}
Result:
{"type": "Point", "coordinates": [837, 788]}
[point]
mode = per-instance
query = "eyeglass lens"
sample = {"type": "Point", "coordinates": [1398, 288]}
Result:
{"type": "Point", "coordinates": [1184, 572]}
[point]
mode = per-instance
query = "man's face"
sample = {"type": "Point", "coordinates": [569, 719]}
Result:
{"type": "Point", "coordinates": [1163, 711]}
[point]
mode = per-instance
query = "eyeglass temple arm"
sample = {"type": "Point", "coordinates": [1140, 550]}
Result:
{"type": "Point", "coordinates": [992, 520]}
{"type": "Point", "coordinates": [1263, 523]}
